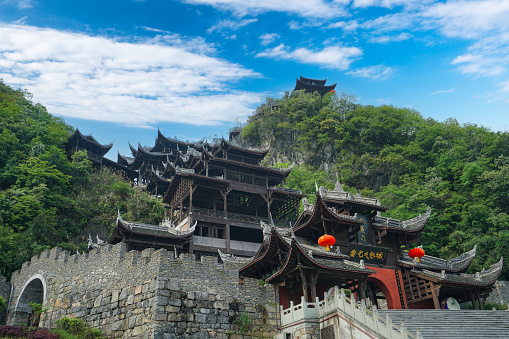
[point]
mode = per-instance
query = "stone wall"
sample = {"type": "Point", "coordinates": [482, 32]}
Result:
{"type": "Point", "coordinates": [5, 290]}
{"type": "Point", "coordinates": [148, 294]}
{"type": "Point", "coordinates": [500, 294]}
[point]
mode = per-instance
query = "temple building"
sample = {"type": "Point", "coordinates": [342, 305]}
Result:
{"type": "Point", "coordinates": [220, 201]}
{"type": "Point", "coordinates": [95, 151]}
{"type": "Point", "coordinates": [313, 85]}
{"type": "Point", "coordinates": [216, 196]}
{"type": "Point", "coordinates": [367, 258]}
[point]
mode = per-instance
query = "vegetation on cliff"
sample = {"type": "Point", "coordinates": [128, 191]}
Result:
{"type": "Point", "coordinates": [47, 200]}
{"type": "Point", "coordinates": [409, 162]}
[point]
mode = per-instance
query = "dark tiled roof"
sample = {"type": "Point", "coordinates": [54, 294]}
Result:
{"type": "Point", "coordinates": [339, 195]}
{"type": "Point", "coordinates": [315, 249]}
{"type": "Point", "coordinates": [484, 278]}
{"type": "Point", "coordinates": [344, 265]}
{"type": "Point", "coordinates": [452, 265]}
{"type": "Point", "coordinates": [411, 225]}
{"type": "Point", "coordinates": [147, 229]}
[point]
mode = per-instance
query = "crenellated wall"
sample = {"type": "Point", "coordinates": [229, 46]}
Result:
{"type": "Point", "coordinates": [147, 294]}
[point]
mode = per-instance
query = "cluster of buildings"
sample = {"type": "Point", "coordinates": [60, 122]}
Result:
{"type": "Point", "coordinates": [222, 202]}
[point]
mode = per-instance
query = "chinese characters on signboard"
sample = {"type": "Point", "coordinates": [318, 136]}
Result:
{"type": "Point", "coordinates": [363, 233]}
{"type": "Point", "coordinates": [370, 254]}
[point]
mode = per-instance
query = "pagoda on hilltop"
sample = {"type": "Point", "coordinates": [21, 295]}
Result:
{"type": "Point", "coordinates": [314, 85]}
{"type": "Point", "coordinates": [366, 257]}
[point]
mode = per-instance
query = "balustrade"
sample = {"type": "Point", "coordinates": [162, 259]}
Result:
{"type": "Point", "coordinates": [337, 302]}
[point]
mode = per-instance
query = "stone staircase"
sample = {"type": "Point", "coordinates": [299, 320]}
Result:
{"type": "Point", "coordinates": [453, 324]}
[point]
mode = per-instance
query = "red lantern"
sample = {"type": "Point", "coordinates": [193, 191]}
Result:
{"type": "Point", "coordinates": [332, 91]}
{"type": "Point", "coordinates": [417, 252]}
{"type": "Point", "coordinates": [326, 241]}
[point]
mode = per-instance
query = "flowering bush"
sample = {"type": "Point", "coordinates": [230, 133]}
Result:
{"type": "Point", "coordinates": [17, 332]}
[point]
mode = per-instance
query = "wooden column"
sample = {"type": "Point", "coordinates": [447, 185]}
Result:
{"type": "Point", "coordinates": [191, 190]}
{"type": "Point", "coordinates": [180, 215]}
{"type": "Point", "coordinates": [362, 288]}
{"type": "Point", "coordinates": [224, 194]}
{"type": "Point", "coordinates": [434, 294]}
{"type": "Point", "coordinates": [268, 200]}
{"type": "Point", "coordinates": [314, 279]}
{"type": "Point", "coordinates": [478, 297]}
{"type": "Point", "coordinates": [227, 237]}
{"type": "Point", "coordinates": [304, 284]}
{"type": "Point", "coordinates": [473, 300]}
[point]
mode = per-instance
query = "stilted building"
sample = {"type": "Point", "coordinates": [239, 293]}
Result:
{"type": "Point", "coordinates": [96, 152]}
{"type": "Point", "coordinates": [219, 191]}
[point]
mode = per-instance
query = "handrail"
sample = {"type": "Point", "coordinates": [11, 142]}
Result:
{"type": "Point", "coordinates": [337, 302]}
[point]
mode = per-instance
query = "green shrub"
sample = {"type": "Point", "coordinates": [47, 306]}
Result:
{"type": "Point", "coordinates": [245, 322]}
{"type": "Point", "coordinates": [76, 328]}
{"type": "Point", "coordinates": [490, 306]}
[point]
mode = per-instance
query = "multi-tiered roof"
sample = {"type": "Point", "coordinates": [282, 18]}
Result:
{"type": "Point", "coordinates": [365, 241]}
{"type": "Point", "coordinates": [222, 188]}
{"type": "Point", "coordinates": [313, 85]}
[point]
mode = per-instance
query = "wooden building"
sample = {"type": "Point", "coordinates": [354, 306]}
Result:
{"type": "Point", "coordinates": [367, 257]}
{"type": "Point", "coordinates": [96, 152]}
{"type": "Point", "coordinates": [221, 190]}
{"type": "Point", "coordinates": [313, 85]}
{"type": "Point", "coordinates": [220, 199]}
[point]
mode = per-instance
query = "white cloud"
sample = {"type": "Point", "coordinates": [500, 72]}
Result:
{"type": "Point", "coordinates": [479, 65]}
{"type": "Point", "coordinates": [383, 3]}
{"type": "Point", "coordinates": [21, 4]}
{"type": "Point", "coordinates": [378, 72]}
{"type": "Point", "coordinates": [391, 22]}
{"type": "Point", "coordinates": [151, 29]}
{"type": "Point", "coordinates": [469, 19]}
{"type": "Point", "coordinates": [295, 25]}
{"type": "Point", "coordinates": [230, 25]}
{"type": "Point", "coordinates": [268, 38]}
{"type": "Point", "coordinates": [337, 57]}
{"type": "Point", "coordinates": [347, 26]}
{"type": "Point", "coordinates": [303, 8]}
{"type": "Point", "coordinates": [451, 90]}
{"type": "Point", "coordinates": [157, 80]}
{"type": "Point", "coordinates": [384, 39]}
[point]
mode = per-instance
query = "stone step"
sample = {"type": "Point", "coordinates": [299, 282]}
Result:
{"type": "Point", "coordinates": [453, 324]}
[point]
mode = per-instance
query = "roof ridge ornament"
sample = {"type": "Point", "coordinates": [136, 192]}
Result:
{"type": "Point", "coordinates": [338, 187]}
{"type": "Point", "coordinates": [266, 229]}
{"type": "Point", "coordinates": [307, 206]}
{"type": "Point", "coordinates": [322, 192]}
{"type": "Point", "coordinates": [99, 241]}
{"type": "Point", "coordinates": [91, 244]}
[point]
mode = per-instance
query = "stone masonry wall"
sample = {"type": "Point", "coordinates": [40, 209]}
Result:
{"type": "Point", "coordinates": [500, 293]}
{"type": "Point", "coordinates": [150, 294]}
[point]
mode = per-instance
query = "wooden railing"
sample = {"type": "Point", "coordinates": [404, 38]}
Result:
{"type": "Point", "coordinates": [337, 302]}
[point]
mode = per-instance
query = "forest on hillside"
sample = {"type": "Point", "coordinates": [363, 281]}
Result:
{"type": "Point", "coordinates": [407, 161]}
{"type": "Point", "coordinates": [395, 154]}
{"type": "Point", "coordinates": [47, 200]}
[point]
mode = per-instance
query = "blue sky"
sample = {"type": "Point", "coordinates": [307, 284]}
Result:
{"type": "Point", "coordinates": [195, 68]}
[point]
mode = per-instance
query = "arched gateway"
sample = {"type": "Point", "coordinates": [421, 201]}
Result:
{"type": "Point", "coordinates": [34, 290]}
